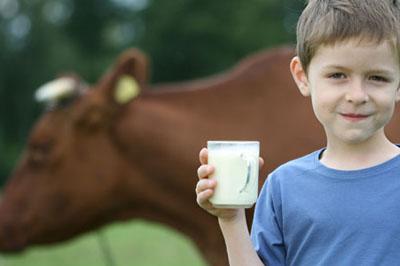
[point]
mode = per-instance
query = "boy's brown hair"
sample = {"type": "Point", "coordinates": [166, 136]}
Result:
{"type": "Point", "coordinates": [325, 22]}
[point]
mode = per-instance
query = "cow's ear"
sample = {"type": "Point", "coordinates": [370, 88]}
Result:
{"type": "Point", "coordinates": [126, 78]}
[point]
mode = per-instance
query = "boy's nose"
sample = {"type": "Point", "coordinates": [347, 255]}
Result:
{"type": "Point", "coordinates": [356, 93]}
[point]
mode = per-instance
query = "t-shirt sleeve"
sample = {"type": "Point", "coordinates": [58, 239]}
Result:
{"type": "Point", "coordinates": [266, 233]}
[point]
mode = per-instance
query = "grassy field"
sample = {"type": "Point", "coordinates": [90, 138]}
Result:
{"type": "Point", "coordinates": [130, 243]}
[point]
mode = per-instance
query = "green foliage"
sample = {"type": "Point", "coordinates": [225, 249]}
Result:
{"type": "Point", "coordinates": [131, 243]}
{"type": "Point", "coordinates": [185, 39]}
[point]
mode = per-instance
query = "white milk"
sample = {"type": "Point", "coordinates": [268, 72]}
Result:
{"type": "Point", "coordinates": [236, 173]}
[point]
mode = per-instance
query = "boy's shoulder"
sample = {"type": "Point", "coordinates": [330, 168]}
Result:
{"type": "Point", "coordinates": [298, 166]}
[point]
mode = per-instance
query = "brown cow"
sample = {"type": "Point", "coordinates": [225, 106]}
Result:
{"type": "Point", "coordinates": [94, 160]}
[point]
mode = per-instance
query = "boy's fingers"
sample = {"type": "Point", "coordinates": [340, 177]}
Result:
{"type": "Point", "coordinates": [204, 184]}
{"type": "Point", "coordinates": [204, 171]}
{"type": "Point", "coordinates": [203, 199]}
{"type": "Point", "coordinates": [261, 162]}
{"type": "Point", "coordinates": [203, 156]}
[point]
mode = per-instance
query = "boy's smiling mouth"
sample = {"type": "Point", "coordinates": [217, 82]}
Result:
{"type": "Point", "coordinates": [354, 116]}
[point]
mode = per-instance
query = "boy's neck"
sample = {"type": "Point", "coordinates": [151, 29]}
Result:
{"type": "Point", "coordinates": [354, 156]}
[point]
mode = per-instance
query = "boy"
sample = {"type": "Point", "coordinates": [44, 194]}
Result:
{"type": "Point", "coordinates": [339, 205]}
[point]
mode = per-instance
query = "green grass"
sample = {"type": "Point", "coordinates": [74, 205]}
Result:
{"type": "Point", "coordinates": [131, 243]}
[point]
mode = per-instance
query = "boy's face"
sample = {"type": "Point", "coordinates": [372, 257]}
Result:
{"type": "Point", "coordinates": [353, 86]}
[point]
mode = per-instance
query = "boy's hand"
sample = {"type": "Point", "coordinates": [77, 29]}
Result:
{"type": "Point", "coordinates": [205, 189]}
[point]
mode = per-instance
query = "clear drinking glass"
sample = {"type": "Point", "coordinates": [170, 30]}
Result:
{"type": "Point", "coordinates": [236, 172]}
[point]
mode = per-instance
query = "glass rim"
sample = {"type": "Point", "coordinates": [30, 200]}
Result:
{"type": "Point", "coordinates": [232, 142]}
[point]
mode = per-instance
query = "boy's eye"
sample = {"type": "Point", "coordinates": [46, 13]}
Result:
{"type": "Point", "coordinates": [337, 76]}
{"type": "Point", "coordinates": [378, 78]}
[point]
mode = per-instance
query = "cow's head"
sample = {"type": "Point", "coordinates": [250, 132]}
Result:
{"type": "Point", "coordinates": [70, 163]}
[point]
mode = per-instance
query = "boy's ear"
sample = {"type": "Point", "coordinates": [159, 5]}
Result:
{"type": "Point", "coordinates": [398, 94]}
{"type": "Point", "coordinates": [300, 76]}
{"type": "Point", "coordinates": [125, 80]}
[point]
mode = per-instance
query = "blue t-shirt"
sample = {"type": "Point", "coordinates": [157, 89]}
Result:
{"type": "Point", "coordinates": [309, 214]}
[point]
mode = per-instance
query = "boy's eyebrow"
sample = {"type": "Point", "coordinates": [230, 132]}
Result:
{"type": "Point", "coordinates": [334, 67]}
{"type": "Point", "coordinates": [372, 70]}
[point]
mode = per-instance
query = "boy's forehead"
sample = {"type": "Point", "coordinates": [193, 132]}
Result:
{"type": "Point", "coordinates": [360, 43]}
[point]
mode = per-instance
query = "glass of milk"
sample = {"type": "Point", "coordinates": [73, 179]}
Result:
{"type": "Point", "coordinates": [236, 172]}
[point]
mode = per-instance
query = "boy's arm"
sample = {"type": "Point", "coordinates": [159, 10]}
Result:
{"type": "Point", "coordinates": [237, 239]}
{"type": "Point", "coordinates": [231, 221]}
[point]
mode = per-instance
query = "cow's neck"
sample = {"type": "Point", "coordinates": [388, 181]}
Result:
{"type": "Point", "coordinates": [146, 135]}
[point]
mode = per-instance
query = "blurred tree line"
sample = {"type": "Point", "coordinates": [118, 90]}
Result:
{"type": "Point", "coordinates": [185, 39]}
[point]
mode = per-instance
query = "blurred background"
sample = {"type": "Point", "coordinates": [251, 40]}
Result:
{"type": "Point", "coordinates": [185, 39]}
